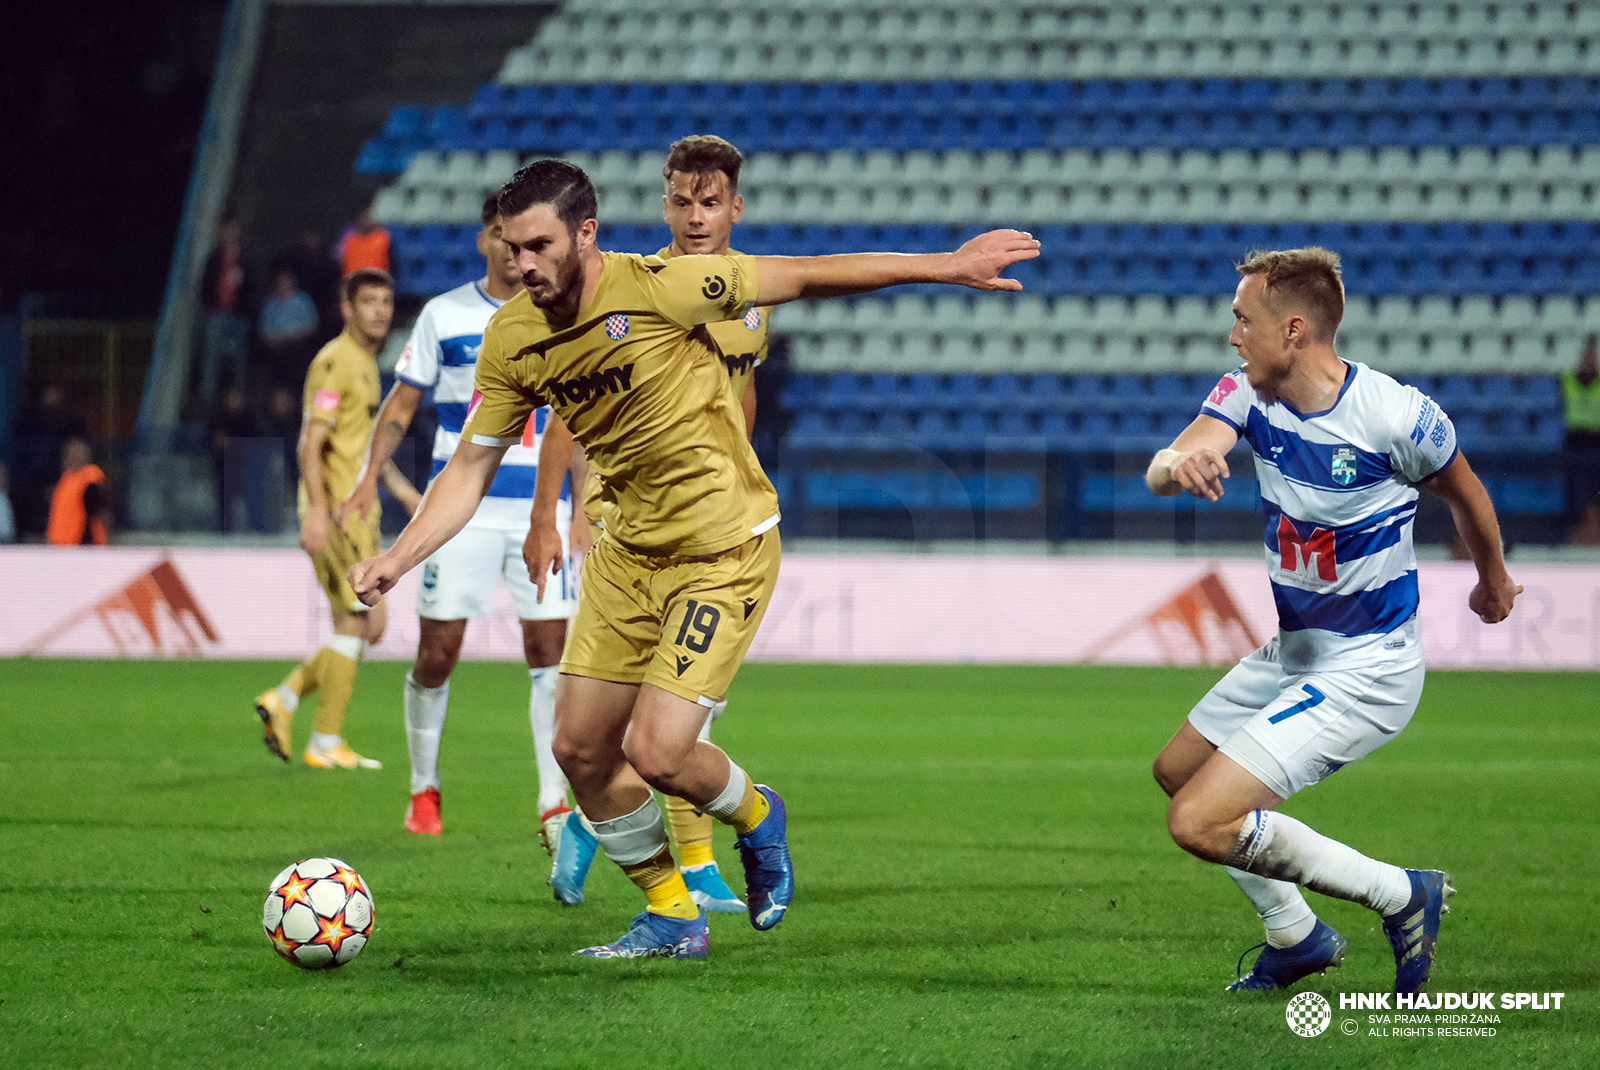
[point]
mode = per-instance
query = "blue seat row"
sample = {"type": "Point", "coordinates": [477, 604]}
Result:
{"type": "Point", "coordinates": [1090, 97]}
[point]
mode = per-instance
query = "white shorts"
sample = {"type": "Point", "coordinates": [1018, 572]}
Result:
{"type": "Point", "coordinates": [1291, 730]}
{"type": "Point", "coordinates": [458, 581]}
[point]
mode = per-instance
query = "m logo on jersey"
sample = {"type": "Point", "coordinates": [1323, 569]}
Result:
{"type": "Point", "coordinates": [714, 288]}
{"type": "Point", "coordinates": [1315, 552]}
{"type": "Point", "coordinates": [1344, 467]}
{"type": "Point", "coordinates": [595, 384]}
{"type": "Point", "coordinates": [752, 319]}
{"type": "Point", "coordinates": [617, 327]}
{"type": "Point", "coordinates": [739, 364]}
{"type": "Point", "coordinates": [1225, 386]}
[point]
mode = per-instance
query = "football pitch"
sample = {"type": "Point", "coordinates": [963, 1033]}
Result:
{"type": "Point", "coordinates": [984, 880]}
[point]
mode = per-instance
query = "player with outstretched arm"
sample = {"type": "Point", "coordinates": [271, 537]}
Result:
{"type": "Point", "coordinates": [677, 585]}
{"type": "Point", "coordinates": [1340, 452]}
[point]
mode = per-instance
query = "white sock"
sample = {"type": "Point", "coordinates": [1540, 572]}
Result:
{"type": "Point", "coordinates": [723, 806]}
{"type": "Point", "coordinates": [633, 838]}
{"type": "Point", "coordinates": [542, 714]}
{"type": "Point", "coordinates": [351, 646]}
{"type": "Point", "coordinates": [324, 741]}
{"type": "Point", "coordinates": [1274, 845]}
{"type": "Point", "coordinates": [1280, 906]}
{"type": "Point", "coordinates": [426, 708]}
{"type": "Point", "coordinates": [287, 696]}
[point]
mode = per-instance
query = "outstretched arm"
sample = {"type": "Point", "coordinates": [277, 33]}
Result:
{"type": "Point", "coordinates": [388, 430]}
{"type": "Point", "coordinates": [1459, 487]}
{"type": "Point", "coordinates": [977, 264]}
{"type": "Point", "coordinates": [1195, 462]}
{"type": "Point", "coordinates": [449, 504]}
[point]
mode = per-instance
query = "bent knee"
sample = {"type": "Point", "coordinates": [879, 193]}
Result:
{"type": "Point", "coordinates": [1196, 832]}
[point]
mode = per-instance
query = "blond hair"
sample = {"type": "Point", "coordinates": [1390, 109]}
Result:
{"type": "Point", "coordinates": [1305, 282]}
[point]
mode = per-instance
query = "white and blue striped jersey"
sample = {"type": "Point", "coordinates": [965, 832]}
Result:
{"type": "Point", "coordinates": [1339, 494]}
{"type": "Point", "coordinates": [442, 356]}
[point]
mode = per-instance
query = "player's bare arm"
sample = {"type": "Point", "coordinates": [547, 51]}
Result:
{"type": "Point", "coordinates": [314, 525]}
{"type": "Point", "coordinates": [451, 500]}
{"type": "Point", "coordinates": [542, 550]}
{"type": "Point", "coordinates": [977, 264]}
{"type": "Point", "coordinates": [748, 404]}
{"type": "Point", "coordinates": [1196, 461]}
{"type": "Point", "coordinates": [404, 492]}
{"type": "Point", "coordinates": [1459, 487]}
{"type": "Point", "coordinates": [580, 540]}
{"type": "Point", "coordinates": [388, 430]}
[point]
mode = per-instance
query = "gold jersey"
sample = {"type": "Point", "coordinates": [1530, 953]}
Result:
{"type": "Point", "coordinates": [640, 382]}
{"type": "Point", "coordinates": [743, 341]}
{"type": "Point", "coordinates": [341, 391]}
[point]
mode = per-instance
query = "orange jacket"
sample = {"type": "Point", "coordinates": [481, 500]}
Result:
{"type": "Point", "coordinates": [358, 250]}
{"type": "Point", "coordinates": [70, 522]}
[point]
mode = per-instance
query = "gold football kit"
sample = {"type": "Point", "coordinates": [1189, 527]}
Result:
{"type": "Point", "coordinates": [342, 391]}
{"type": "Point", "coordinates": [672, 595]}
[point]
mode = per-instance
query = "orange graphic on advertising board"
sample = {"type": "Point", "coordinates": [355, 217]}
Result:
{"type": "Point", "coordinates": [155, 612]}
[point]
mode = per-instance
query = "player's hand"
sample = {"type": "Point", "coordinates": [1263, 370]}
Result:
{"type": "Point", "coordinates": [978, 263]}
{"type": "Point", "coordinates": [580, 539]}
{"type": "Point", "coordinates": [543, 553]}
{"type": "Point", "coordinates": [360, 500]}
{"type": "Point", "coordinates": [1492, 601]}
{"type": "Point", "coordinates": [314, 532]}
{"type": "Point", "coordinates": [373, 578]}
{"type": "Point", "coordinates": [1201, 473]}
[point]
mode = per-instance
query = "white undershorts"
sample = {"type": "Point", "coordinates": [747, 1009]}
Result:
{"type": "Point", "coordinates": [1291, 730]}
{"type": "Point", "coordinates": [458, 581]}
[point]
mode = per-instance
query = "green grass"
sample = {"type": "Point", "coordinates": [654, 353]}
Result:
{"type": "Point", "coordinates": [984, 881]}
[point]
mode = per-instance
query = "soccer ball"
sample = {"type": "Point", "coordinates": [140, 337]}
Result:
{"type": "Point", "coordinates": [318, 913]}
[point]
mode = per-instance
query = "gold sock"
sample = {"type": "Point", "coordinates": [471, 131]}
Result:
{"type": "Point", "coordinates": [662, 884]}
{"type": "Point", "coordinates": [305, 677]}
{"type": "Point", "coordinates": [751, 811]}
{"type": "Point", "coordinates": [338, 684]}
{"type": "Point", "coordinates": [692, 830]}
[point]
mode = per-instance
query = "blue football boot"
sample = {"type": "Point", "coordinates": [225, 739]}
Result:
{"type": "Point", "coordinates": [709, 891]}
{"type": "Point", "coordinates": [1414, 929]}
{"type": "Point", "coordinates": [1280, 967]}
{"type": "Point", "coordinates": [655, 936]}
{"type": "Point", "coordinates": [573, 846]}
{"type": "Point", "coordinates": [768, 873]}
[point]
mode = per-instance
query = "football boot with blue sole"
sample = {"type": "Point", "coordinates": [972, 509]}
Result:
{"type": "Point", "coordinates": [573, 849]}
{"type": "Point", "coordinates": [1414, 930]}
{"type": "Point", "coordinates": [1280, 967]}
{"type": "Point", "coordinates": [709, 891]}
{"type": "Point", "coordinates": [768, 872]}
{"type": "Point", "coordinates": [655, 936]}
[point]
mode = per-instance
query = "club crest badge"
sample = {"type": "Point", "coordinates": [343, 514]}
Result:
{"type": "Point", "coordinates": [617, 327]}
{"type": "Point", "coordinates": [752, 319]}
{"type": "Point", "coordinates": [1344, 467]}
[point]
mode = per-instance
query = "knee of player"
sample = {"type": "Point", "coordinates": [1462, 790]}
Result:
{"type": "Point", "coordinates": [650, 761]}
{"type": "Point", "coordinates": [1187, 825]}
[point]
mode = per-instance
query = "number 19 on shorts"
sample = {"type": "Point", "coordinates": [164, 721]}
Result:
{"type": "Point", "coordinates": [699, 626]}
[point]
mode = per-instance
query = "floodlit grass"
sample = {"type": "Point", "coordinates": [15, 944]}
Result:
{"type": "Point", "coordinates": [984, 881]}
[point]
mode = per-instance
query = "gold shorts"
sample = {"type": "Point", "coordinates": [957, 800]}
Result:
{"type": "Point", "coordinates": [680, 623]}
{"type": "Point", "coordinates": [347, 546]}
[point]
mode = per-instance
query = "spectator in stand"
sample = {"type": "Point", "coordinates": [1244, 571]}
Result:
{"type": "Point", "coordinates": [80, 506]}
{"type": "Point", "coordinates": [1580, 393]}
{"type": "Point", "coordinates": [365, 244]}
{"type": "Point", "coordinates": [282, 428]}
{"type": "Point", "coordinates": [225, 297]}
{"type": "Point", "coordinates": [312, 263]}
{"type": "Point", "coordinates": [8, 518]}
{"type": "Point", "coordinates": [237, 450]}
{"type": "Point", "coordinates": [286, 329]}
{"type": "Point", "coordinates": [42, 430]}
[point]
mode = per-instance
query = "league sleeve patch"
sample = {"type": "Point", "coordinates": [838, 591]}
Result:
{"type": "Point", "coordinates": [325, 400]}
{"type": "Point", "coordinates": [1225, 386]}
{"type": "Point", "coordinates": [472, 407]}
{"type": "Point", "coordinates": [405, 360]}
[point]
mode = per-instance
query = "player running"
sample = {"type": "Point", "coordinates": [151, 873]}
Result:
{"type": "Point", "coordinates": [458, 580]}
{"type": "Point", "coordinates": [677, 585]}
{"type": "Point", "coordinates": [700, 206]}
{"type": "Point", "coordinates": [1340, 451]}
{"type": "Point", "coordinates": [341, 394]}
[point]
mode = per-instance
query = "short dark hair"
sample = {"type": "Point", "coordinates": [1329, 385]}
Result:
{"type": "Point", "coordinates": [561, 185]}
{"type": "Point", "coordinates": [367, 276]}
{"type": "Point", "coordinates": [703, 153]}
{"type": "Point", "coordinates": [491, 209]}
{"type": "Point", "coordinates": [1305, 281]}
